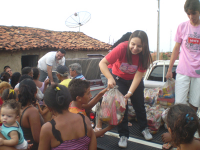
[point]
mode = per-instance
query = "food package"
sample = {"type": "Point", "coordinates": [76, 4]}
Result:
{"type": "Point", "coordinates": [168, 89]}
{"type": "Point", "coordinates": [154, 119]}
{"type": "Point", "coordinates": [166, 101]}
{"type": "Point", "coordinates": [150, 95]}
{"type": "Point", "coordinates": [112, 107]}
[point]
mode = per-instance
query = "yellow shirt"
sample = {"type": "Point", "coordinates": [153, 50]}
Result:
{"type": "Point", "coordinates": [65, 82]}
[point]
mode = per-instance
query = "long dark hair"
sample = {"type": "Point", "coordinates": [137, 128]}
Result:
{"type": "Point", "coordinates": [27, 91]}
{"type": "Point", "coordinates": [15, 79]}
{"type": "Point", "coordinates": [145, 58]}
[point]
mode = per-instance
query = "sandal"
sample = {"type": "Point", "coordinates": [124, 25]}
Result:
{"type": "Point", "coordinates": [167, 146]}
{"type": "Point", "coordinates": [97, 129]}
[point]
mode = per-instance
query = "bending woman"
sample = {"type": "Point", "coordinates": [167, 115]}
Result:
{"type": "Point", "coordinates": [130, 60]}
{"type": "Point", "coordinates": [67, 130]}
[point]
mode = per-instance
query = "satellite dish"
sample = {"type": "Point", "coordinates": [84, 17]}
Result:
{"type": "Point", "coordinates": [78, 19]}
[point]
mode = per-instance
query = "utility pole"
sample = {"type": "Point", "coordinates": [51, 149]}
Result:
{"type": "Point", "coordinates": [158, 30]}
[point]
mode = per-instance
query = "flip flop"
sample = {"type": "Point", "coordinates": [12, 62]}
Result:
{"type": "Point", "coordinates": [169, 145]}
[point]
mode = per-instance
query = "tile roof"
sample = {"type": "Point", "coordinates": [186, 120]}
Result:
{"type": "Point", "coordinates": [25, 38]}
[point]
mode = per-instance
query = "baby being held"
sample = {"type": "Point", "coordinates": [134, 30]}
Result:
{"type": "Point", "coordinates": [10, 128]}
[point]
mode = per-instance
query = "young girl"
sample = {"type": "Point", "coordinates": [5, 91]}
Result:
{"type": "Point", "coordinates": [182, 123]}
{"type": "Point", "coordinates": [67, 130]}
{"type": "Point", "coordinates": [11, 129]}
{"type": "Point", "coordinates": [3, 85]}
{"type": "Point", "coordinates": [130, 60]}
{"type": "Point", "coordinates": [9, 94]}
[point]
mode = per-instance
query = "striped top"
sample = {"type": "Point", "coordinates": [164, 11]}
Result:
{"type": "Point", "coordinates": [80, 76]}
{"type": "Point", "coordinates": [75, 144]}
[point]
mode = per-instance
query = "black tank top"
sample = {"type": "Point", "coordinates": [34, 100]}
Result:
{"type": "Point", "coordinates": [27, 132]}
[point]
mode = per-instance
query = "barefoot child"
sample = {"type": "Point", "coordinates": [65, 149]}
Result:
{"type": "Point", "coordinates": [80, 93]}
{"type": "Point", "coordinates": [182, 123]}
{"type": "Point", "coordinates": [11, 129]}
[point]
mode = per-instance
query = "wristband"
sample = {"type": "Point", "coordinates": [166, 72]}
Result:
{"type": "Point", "coordinates": [130, 92]}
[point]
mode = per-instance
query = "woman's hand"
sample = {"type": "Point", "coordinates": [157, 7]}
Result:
{"type": "Point", "coordinates": [111, 83]}
{"type": "Point", "coordinates": [126, 97]}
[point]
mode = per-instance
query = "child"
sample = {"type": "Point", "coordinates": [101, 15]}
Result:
{"type": "Point", "coordinates": [9, 94]}
{"type": "Point", "coordinates": [45, 112]}
{"type": "Point", "coordinates": [11, 129]}
{"type": "Point", "coordinates": [3, 85]}
{"type": "Point", "coordinates": [182, 123]}
{"type": "Point", "coordinates": [80, 93]}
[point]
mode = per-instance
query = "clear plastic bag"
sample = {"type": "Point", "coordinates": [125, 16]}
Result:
{"type": "Point", "coordinates": [150, 95]}
{"type": "Point", "coordinates": [112, 107]}
{"type": "Point", "coordinates": [154, 119]}
{"type": "Point", "coordinates": [168, 89]}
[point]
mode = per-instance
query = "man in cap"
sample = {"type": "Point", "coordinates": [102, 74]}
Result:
{"type": "Point", "coordinates": [62, 75]}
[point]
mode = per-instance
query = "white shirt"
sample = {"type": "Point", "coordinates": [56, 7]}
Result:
{"type": "Point", "coordinates": [50, 60]}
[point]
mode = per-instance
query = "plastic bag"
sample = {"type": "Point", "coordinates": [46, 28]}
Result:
{"type": "Point", "coordinates": [112, 107]}
{"type": "Point", "coordinates": [154, 120]}
{"type": "Point", "coordinates": [150, 95]}
{"type": "Point", "coordinates": [168, 89]}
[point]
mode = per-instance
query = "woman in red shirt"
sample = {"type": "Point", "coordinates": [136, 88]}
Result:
{"type": "Point", "coordinates": [130, 60]}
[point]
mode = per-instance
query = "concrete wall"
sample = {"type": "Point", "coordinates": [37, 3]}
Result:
{"type": "Point", "coordinates": [13, 59]}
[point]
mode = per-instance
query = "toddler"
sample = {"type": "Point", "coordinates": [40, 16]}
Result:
{"type": "Point", "coordinates": [10, 128]}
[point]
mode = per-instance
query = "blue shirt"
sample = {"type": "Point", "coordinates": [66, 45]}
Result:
{"type": "Point", "coordinates": [6, 130]}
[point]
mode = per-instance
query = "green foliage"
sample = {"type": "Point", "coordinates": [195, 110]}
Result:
{"type": "Point", "coordinates": [165, 57]}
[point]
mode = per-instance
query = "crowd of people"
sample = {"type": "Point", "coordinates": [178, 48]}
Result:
{"type": "Point", "coordinates": [32, 108]}
{"type": "Point", "coordinates": [45, 107]}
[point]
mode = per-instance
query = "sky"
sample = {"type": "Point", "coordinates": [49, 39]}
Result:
{"type": "Point", "coordinates": [110, 19]}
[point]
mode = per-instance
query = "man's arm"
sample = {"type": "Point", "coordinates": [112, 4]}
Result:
{"type": "Point", "coordinates": [49, 71]}
{"type": "Point", "coordinates": [174, 56]}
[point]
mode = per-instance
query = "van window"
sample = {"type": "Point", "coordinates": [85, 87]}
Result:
{"type": "Point", "coordinates": [157, 73]}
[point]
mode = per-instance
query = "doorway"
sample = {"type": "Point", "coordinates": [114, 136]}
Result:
{"type": "Point", "coordinates": [29, 61]}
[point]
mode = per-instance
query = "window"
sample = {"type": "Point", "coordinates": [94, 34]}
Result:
{"type": "Point", "coordinates": [157, 73]}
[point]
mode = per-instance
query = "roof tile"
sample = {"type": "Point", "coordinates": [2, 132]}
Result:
{"type": "Point", "coordinates": [16, 38]}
